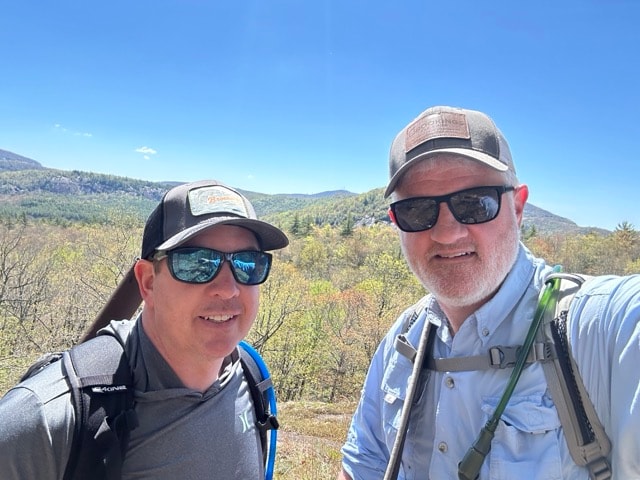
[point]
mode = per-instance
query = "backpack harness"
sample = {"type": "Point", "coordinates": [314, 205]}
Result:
{"type": "Point", "coordinates": [548, 343]}
{"type": "Point", "coordinates": [101, 385]}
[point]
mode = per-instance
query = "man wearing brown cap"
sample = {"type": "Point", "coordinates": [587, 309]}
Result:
{"type": "Point", "coordinates": [204, 254]}
{"type": "Point", "coordinates": [458, 207]}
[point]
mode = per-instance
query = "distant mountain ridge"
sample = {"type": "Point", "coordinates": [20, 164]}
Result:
{"type": "Point", "coordinates": [28, 188]}
{"type": "Point", "coordinates": [10, 161]}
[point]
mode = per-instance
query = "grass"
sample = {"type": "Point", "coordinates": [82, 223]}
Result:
{"type": "Point", "coordinates": [309, 439]}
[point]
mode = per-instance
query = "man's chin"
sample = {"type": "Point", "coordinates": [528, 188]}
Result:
{"type": "Point", "coordinates": [462, 299]}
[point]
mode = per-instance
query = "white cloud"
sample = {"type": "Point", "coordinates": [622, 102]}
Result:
{"type": "Point", "coordinates": [62, 129]}
{"type": "Point", "coordinates": [147, 151]}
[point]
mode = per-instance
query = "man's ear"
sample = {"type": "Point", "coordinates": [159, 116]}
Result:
{"type": "Point", "coordinates": [392, 216]}
{"type": "Point", "coordinates": [145, 275]}
{"type": "Point", "coordinates": [520, 196]}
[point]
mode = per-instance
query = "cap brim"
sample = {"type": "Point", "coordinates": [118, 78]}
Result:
{"type": "Point", "coordinates": [463, 152]}
{"type": "Point", "coordinates": [270, 237]}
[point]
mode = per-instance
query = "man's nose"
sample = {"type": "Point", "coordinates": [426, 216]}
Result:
{"type": "Point", "coordinates": [447, 229]}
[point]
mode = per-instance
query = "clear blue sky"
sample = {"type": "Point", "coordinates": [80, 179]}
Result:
{"type": "Point", "coordinates": [285, 96]}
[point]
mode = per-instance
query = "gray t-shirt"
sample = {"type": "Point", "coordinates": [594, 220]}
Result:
{"type": "Point", "coordinates": [182, 433]}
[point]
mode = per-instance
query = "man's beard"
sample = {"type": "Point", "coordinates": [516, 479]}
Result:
{"type": "Point", "coordinates": [459, 287]}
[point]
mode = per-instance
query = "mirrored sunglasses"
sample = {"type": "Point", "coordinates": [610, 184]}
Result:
{"type": "Point", "coordinates": [201, 265]}
{"type": "Point", "coordinates": [470, 206]}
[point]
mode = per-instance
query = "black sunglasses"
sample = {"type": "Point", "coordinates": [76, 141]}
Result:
{"type": "Point", "coordinates": [201, 265]}
{"type": "Point", "coordinates": [470, 206]}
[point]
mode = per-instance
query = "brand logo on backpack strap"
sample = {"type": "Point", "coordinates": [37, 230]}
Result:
{"type": "Point", "coordinates": [109, 389]}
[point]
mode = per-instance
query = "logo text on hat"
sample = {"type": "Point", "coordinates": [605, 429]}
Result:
{"type": "Point", "coordinates": [216, 200]}
{"type": "Point", "coordinates": [436, 125]}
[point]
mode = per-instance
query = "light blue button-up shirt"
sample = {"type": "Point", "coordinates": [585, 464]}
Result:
{"type": "Point", "coordinates": [451, 407]}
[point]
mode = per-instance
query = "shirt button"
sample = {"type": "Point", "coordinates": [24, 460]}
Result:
{"type": "Point", "coordinates": [443, 447]}
{"type": "Point", "coordinates": [485, 332]}
{"type": "Point", "coordinates": [449, 382]}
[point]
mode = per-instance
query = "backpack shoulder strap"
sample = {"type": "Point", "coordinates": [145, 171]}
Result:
{"type": "Point", "coordinates": [401, 343]}
{"type": "Point", "coordinates": [101, 385]}
{"type": "Point", "coordinates": [262, 394]}
{"type": "Point", "coordinates": [40, 364]}
{"type": "Point", "coordinates": [587, 441]}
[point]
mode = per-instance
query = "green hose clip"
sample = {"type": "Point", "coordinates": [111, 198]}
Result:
{"type": "Point", "coordinates": [469, 467]}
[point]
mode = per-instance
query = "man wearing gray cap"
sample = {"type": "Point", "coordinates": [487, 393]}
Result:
{"type": "Point", "coordinates": [467, 384]}
{"type": "Point", "coordinates": [204, 254]}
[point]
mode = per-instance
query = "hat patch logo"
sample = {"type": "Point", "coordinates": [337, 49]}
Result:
{"type": "Point", "coordinates": [217, 199]}
{"type": "Point", "coordinates": [436, 125]}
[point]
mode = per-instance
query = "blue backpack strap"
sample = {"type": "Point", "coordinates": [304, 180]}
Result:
{"type": "Point", "coordinates": [101, 384]}
{"type": "Point", "coordinates": [264, 400]}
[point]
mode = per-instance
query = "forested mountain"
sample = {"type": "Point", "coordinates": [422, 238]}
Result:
{"type": "Point", "coordinates": [28, 189]}
{"type": "Point", "coordinates": [13, 161]}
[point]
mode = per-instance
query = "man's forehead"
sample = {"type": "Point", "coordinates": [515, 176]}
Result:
{"type": "Point", "coordinates": [447, 162]}
{"type": "Point", "coordinates": [443, 169]}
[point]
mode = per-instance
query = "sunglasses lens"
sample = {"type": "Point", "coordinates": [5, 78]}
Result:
{"type": "Point", "coordinates": [479, 205]}
{"type": "Point", "coordinates": [194, 265]}
{"type": "Point", "coordinates": [415, 214]}
{"type": "Point", "coordinates": [251, 268]}
{"type": "Point", "coordinates": [201, 265]}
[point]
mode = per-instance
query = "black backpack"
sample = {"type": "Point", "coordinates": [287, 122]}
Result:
{"type": "Point", "coordinates": [101, 386]}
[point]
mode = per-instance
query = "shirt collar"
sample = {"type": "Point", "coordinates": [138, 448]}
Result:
{"type": "Point", "coordinates": [489, 317]}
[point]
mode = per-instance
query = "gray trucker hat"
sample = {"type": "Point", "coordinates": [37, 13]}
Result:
{"type": "Point", "coordinates": [468, 133]}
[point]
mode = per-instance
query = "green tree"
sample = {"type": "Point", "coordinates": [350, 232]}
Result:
{"type": "Point", "coordinates": [347, 226]}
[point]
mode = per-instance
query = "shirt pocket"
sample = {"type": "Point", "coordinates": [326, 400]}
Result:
{"type": "Point", "coordinates": [394, 390]}
{"type": "Point", "coordinates": [527, 439]}
{"type": "Point", "coordinates": [394, 386]}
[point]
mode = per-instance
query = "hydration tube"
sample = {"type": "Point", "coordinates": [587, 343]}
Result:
{"type": "Point", "coordinates": [469, 467]}
{"type": "Point", "coordinates": [271, 395]}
